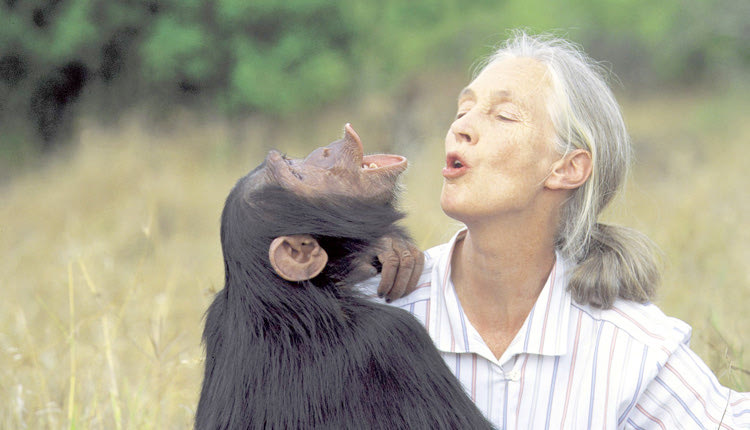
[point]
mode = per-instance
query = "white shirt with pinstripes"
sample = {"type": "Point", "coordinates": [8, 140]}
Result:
{"type": "Point", "coordinates": [572, 366]}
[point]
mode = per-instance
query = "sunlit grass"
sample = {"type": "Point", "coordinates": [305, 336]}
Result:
{"type": "Point", "coordinates": [111, 252]}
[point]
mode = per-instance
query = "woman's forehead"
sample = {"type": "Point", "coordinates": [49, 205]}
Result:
{"type": "Point", "coordinates": [515, 79]}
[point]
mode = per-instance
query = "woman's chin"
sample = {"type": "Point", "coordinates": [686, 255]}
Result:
{"type": "Point", "coordinates": [452, 208]}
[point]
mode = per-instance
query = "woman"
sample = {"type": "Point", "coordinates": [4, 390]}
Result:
{"type": "Point", "coordinates": [540, 311]}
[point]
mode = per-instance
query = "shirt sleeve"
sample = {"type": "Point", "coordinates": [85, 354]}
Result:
{"type": "Point", "coordinates": [685, 394]}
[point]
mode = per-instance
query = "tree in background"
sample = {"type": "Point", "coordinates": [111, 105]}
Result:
{"type": "Point", "coordinates": [282, 57]}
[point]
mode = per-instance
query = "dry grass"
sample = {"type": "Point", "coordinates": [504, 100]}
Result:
{"type": "Point", "coordinates": [111, 252]}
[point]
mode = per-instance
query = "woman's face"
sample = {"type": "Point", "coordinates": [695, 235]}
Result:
{"type": "Point", "coordinates": [500, 148]}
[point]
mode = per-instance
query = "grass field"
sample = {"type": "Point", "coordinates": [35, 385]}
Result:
{"type": "Point", "coordinates": [110, 251]}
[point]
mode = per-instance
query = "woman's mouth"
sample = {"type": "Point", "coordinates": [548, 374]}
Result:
{"type": "Point", "coordinates": [454, 166]}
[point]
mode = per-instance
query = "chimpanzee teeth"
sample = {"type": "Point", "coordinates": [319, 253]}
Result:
{"type": "Point", "coordinates": [370, 166]}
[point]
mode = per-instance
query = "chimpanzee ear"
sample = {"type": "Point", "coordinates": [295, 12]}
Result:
{"type": "Point", "coordinates": [297, 257]}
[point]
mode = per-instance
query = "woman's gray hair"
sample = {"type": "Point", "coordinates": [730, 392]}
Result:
{"type": "Point", "coordinates": [612, 261]}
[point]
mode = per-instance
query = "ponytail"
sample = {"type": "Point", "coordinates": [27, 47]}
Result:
{"type": "Point", "coordinates": [620, 262]}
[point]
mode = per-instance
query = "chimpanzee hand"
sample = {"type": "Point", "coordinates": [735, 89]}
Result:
{"type": "Point", "coordinates": [402, 265]}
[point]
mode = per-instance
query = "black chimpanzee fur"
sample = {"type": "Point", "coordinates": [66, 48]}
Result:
{"type": "Point", "coordinates": [316, 354]}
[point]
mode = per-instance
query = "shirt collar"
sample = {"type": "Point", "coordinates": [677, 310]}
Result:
{"type": "Point", "coordinates": [544, 332]}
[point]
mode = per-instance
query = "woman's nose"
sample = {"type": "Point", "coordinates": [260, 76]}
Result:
{"type": "Point", "coordinates": [463, 131]}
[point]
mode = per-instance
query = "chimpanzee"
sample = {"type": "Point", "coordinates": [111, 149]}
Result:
{"type": "Point", "coordinates": [290, 342]}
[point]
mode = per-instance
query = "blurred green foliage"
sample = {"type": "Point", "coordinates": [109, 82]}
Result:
{"type": "Point", "coordinates": [282, 57]}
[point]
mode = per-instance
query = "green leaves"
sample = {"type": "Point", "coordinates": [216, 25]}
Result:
{"type": "Point", "coordinates": [296, 72]}
{"type": "Point", "coordinates": [288, 56]}
{"type": "Point", "coordinates": [176, 50]}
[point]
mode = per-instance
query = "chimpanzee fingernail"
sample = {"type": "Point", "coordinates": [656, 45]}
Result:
{"type": "Point", "coordinates": [387, 299]}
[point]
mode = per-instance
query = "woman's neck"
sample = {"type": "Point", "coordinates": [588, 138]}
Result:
{"type": "Point", "coordinates": [498, 272]}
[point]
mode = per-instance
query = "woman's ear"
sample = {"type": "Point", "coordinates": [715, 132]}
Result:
{"type": "Point", "coordinates": [297, 257]}
{"type": "Point", "coordinates": [571, 171]}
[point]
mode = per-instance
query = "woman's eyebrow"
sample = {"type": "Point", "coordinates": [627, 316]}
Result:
{"type": "Point", "coordinates": [467, 93]}
{"type": "Point", "coordinates": [495, 97]}
{"type": "Point", "coordinates": [501, 96]}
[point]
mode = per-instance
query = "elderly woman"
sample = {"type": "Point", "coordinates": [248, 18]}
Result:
{"type": "Point", "coordinates": [542, 312]}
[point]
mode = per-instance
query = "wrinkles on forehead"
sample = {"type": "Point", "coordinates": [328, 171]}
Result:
{"type": "Point", "coordinates": [523, 77]}
{"type": "Point", "coordinates": [530, 81]}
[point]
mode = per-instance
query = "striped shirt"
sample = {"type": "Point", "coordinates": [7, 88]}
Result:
{"type": "Point", "coordinates": [573, 366]}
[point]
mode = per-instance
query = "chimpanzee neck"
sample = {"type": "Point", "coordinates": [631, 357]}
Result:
{"type": "Point", "coordinates": [277, 211]}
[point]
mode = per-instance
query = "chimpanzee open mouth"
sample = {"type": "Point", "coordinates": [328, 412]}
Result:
{"type": "Point", "coordinates": [376, 161]}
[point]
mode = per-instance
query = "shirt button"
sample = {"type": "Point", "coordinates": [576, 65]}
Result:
{"type": "Point", "coordinates": [514, 375]}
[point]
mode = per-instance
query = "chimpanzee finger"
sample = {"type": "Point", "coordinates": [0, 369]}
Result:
{"type": "Point", "coordinates": [417, 271]}
{"type": "Point", "coordinates": [361, 272]}
{"type": "Point", "coordinates": [389, 262]}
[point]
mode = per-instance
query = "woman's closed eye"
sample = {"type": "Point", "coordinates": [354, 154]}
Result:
{"type": "Point", "coordinates": [507, 115]}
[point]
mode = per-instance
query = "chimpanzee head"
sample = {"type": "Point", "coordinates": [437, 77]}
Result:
{"type": "Point", "coordinates": [339, 169]}
{"type": "Point", "coordinates": [302, 216]}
